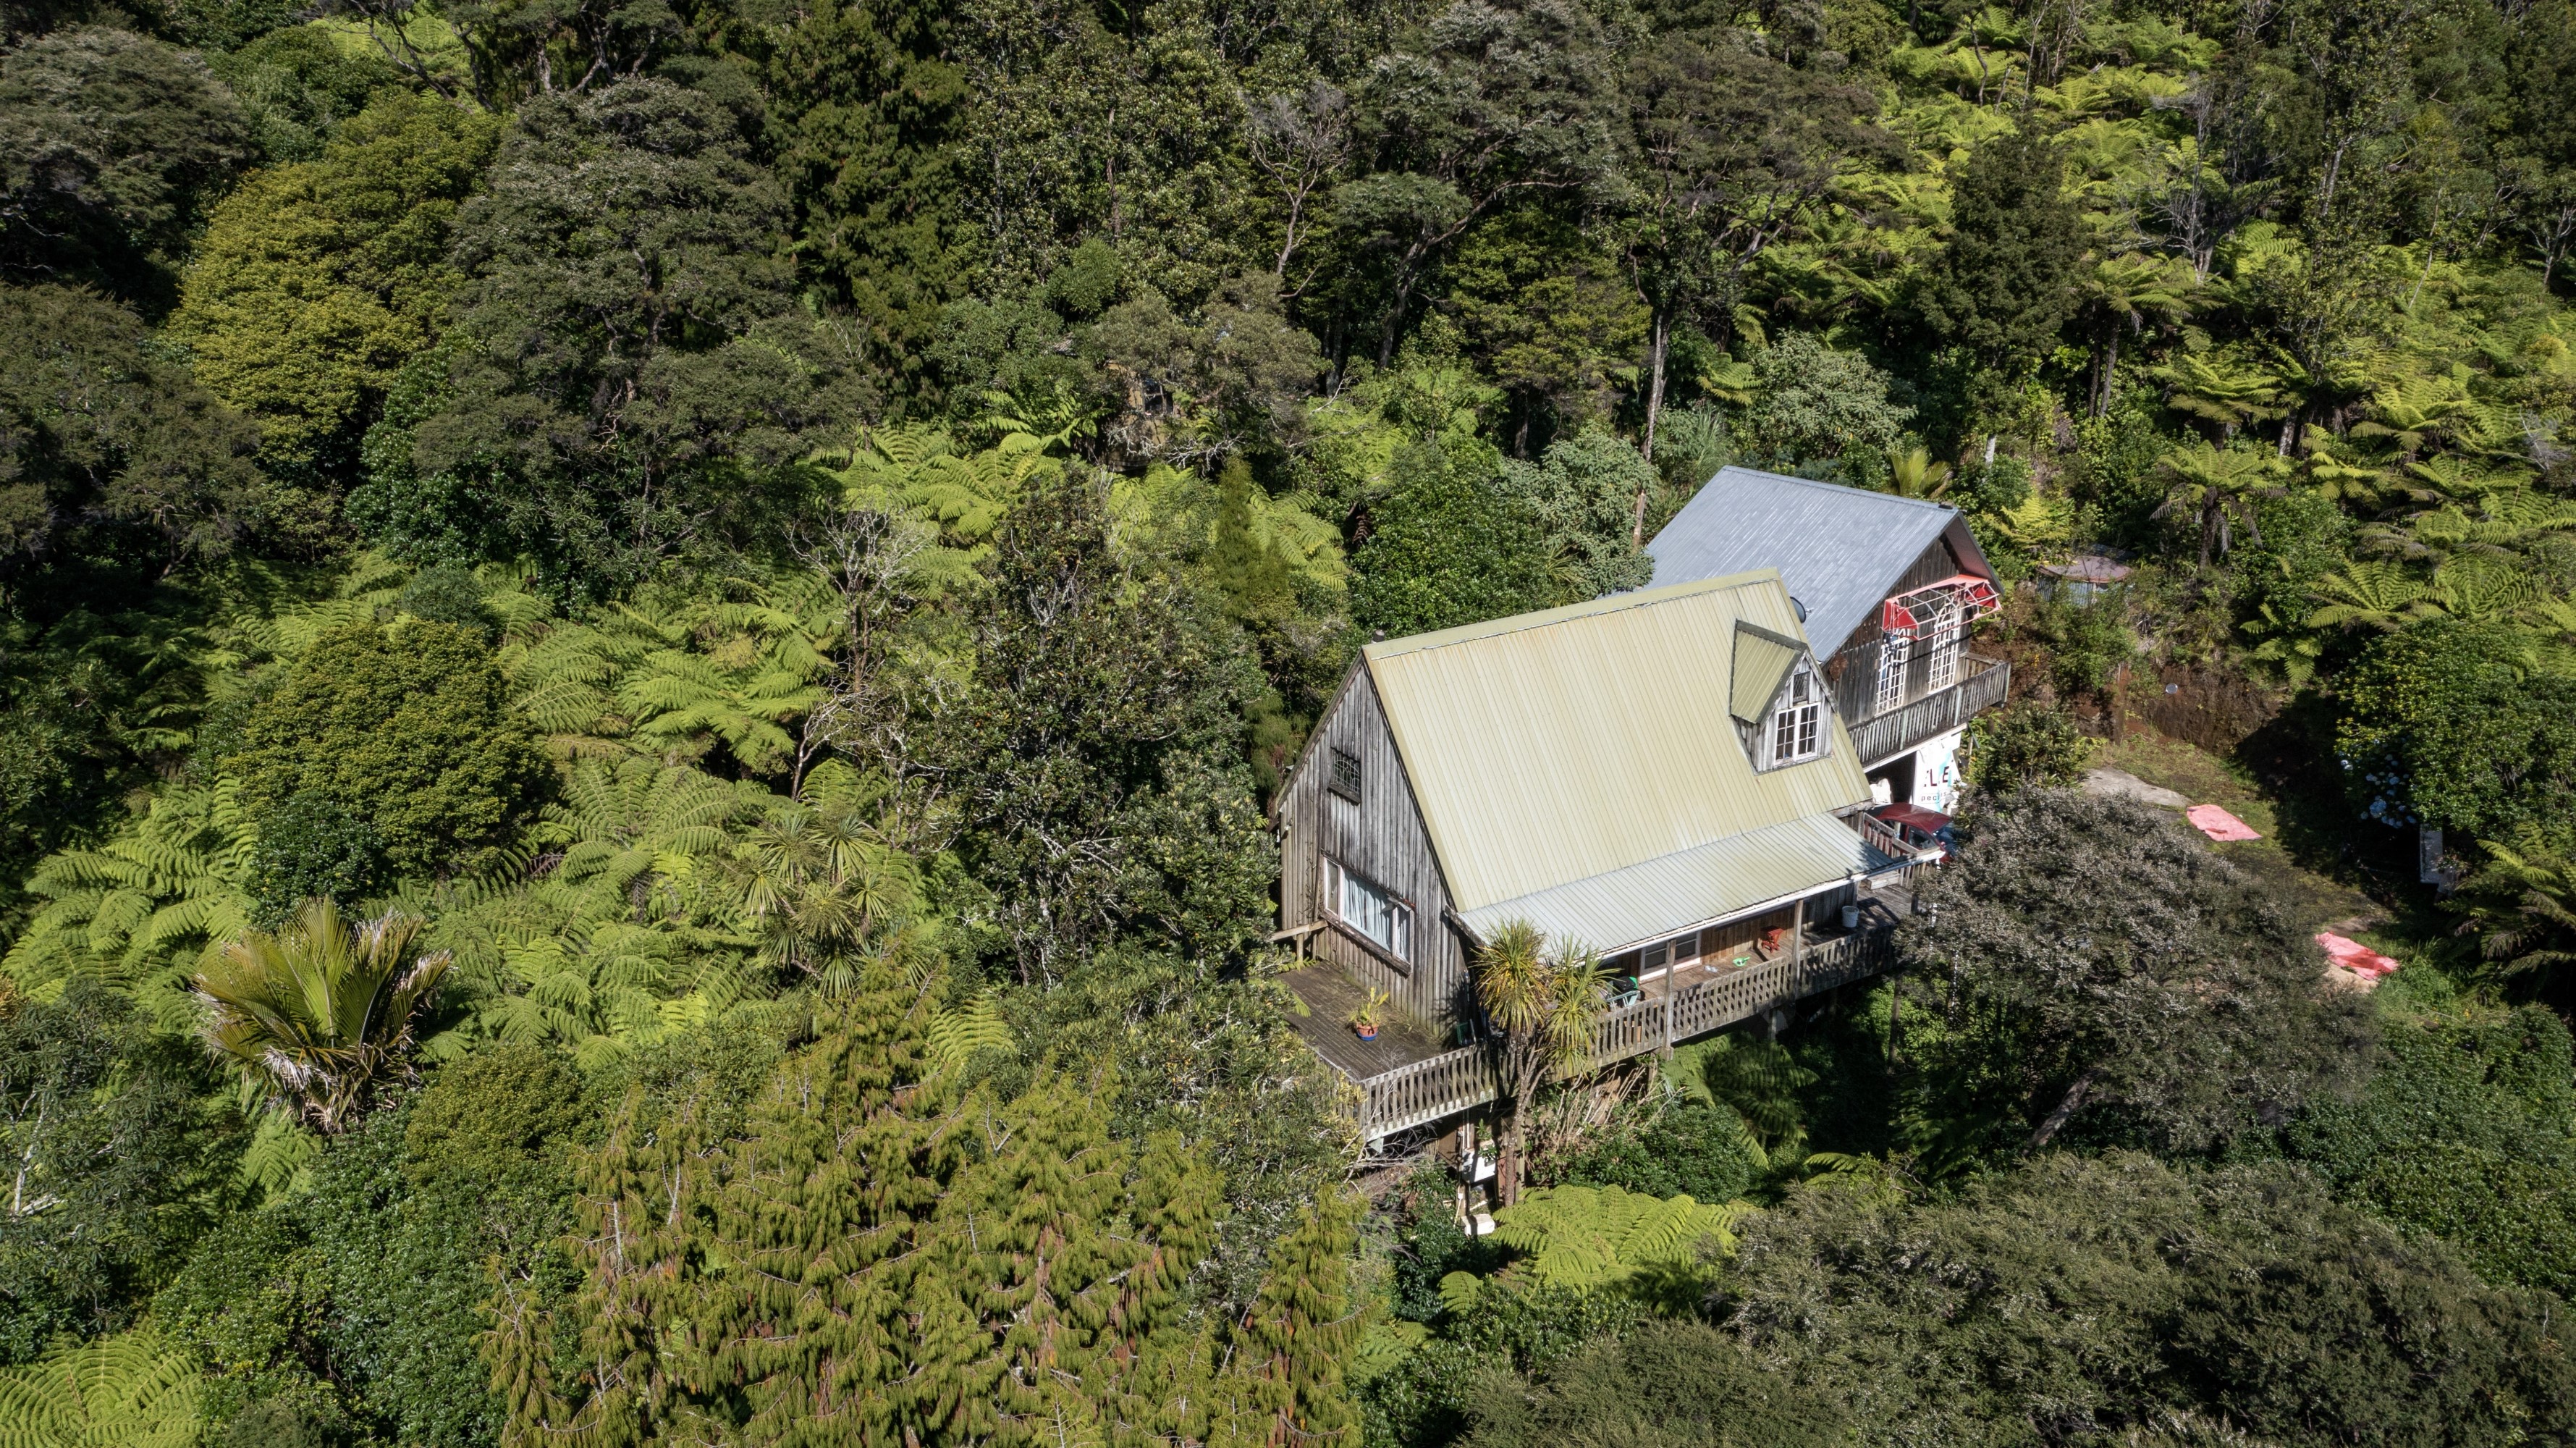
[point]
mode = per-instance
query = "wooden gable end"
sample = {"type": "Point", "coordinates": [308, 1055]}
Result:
{"type": "Point", "coordinates": [1852, 671]}
{"type": "Point", "coordinates": [1378, 835]}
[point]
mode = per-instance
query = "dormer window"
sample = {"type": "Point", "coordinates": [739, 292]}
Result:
{"type": "Point", "coordinates": [1797, 731]}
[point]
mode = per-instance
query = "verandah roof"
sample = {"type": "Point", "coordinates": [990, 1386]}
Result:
{"type": "Point", "coordinates": [1691, 887]}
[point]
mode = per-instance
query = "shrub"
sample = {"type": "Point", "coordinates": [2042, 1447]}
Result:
{"type": "Point", "coordinates": [2467, 1130]}
{"type": "Point", "coordinates": [1817, 405]}
{"type": "Point", "coordinates": [2026, 746]}
{"type": "Point", "coordinates": [1449, 548]}
{"type": "Point", "coordinates": [2441, 724]}
{"type": "Point", "coordinates": [1668, 1385]}
{"type": "Point", "coordinates": [114, 1121]}
{"type": "Point", "coordinates": [1693, 1150]}
{"type": "Point", "coordinates": [408, 728]}
{"type": "Point", "coordinates": [310, 847]}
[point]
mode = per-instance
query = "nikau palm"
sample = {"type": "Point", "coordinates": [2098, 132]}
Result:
{"type": "Point", "coordinates": [319, 1012]}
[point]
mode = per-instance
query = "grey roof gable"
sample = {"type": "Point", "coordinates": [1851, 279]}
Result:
{"type": "Point", "coordinates": [1838, 549]}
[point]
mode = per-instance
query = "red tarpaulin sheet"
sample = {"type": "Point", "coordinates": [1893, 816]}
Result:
{"type": "Point", "coordinates": [2354, 956]}
{"type": "Point", "coordinates": [2218, 824]}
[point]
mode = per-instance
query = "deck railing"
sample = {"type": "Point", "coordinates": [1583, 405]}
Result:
{"type": "Point", "coordinates": [1459, 1080]}
{"type": "Point", "coordinates": [1884, 736]}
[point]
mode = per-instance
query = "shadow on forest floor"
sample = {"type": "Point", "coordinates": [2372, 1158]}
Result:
{"type": "Point", "coordinates": [2307, 833]}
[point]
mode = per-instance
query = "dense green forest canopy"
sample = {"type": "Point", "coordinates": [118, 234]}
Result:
{"type": "Point", "coordinates": [642, 647]}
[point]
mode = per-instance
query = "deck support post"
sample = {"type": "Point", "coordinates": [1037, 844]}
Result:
{"type": "Point", "coordinates": [1798, 934]}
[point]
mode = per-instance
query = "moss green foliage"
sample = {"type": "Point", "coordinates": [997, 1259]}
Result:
{"type": "Point", "coordinates": [358, 1305]}
{"type": "Point", "coordinates": [1449, 546]}
{"type": "Point", "coordinates": [2463, 1133]}
{"type": "Point", "coordinates": [409, 728]}
{"type": "Point", "coordinates": [2027, 745]}
{"type": "Point", "coordinates": [1690, 1149]}
{"type": "Point", "coordinates": [1579, 1236]}
{"type": "Point", "coordinates": [2005, 284]}
{"type": "Point", "coordinates": [2443, 723]}
{"type": "Point", "coordinates": [968, 1247]}
{"type": "Point", "coordinates": [317, 281]}
{"type": "Point", "coordinates": [1818, 406]}
{"type": "Point", "coordinates": [1668, 1383]}
{"type": "Point", "coordinates": [2096, 961]}
{"type": "Point", "coordinates": [130, 1390]}
{"type": "Point", "coordinates": [796, 543]}
{"type": "Point", "coordinates": [706, 402]}
{"type": "Point", "coordinates": [322, 1013]}
{"type": "Point", "coordinates": [149, 458]}
{"type": "Point", "coordinates": [299, 84]}
{"type": "Point", "coordinates": [2244, 1295]}
{"type": "Point", "coordinates": [144, 906]}
{"type": "Point", "coordinates": [311, 847]}
{"type": "Point", "coordinates": [1103, 728]}
{"type": "Point", "coordinates": [118, 1163]}
{"type": "Point", "coordinates": [113, 145]}
{"type": "Point", "coordinates": [1426, 1396]}
{"type": "Point", "coordinates": [1593, 494]}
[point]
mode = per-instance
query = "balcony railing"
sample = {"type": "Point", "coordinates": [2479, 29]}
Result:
{"type": "Point", "coordinates": [1456, 1081]}
{"type": "Point", "coordinates": [1981, 685]}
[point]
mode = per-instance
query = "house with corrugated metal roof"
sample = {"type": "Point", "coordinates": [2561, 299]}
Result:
{"type": "Point", "coordinates": [1662, 776]}
{"type": "Point", "coordinates": [1888, 586]}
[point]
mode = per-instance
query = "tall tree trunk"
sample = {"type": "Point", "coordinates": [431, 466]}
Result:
{"type": "Point", "coordinates": [2210, 514]}
{"type": "Point", "coordinates": [2110, 370]}
{"type": "Point", "coordinates": [2063, 1113]}
{"type": "Point", "coordinates": [1655, 351]}
{"type": "Point", "coordinates": [1655, 379]}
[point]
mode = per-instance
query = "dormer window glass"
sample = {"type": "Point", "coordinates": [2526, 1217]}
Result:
{"type": "Point", "coordinates": [1797, 730]}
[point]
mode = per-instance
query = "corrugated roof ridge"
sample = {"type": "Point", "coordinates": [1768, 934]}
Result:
{"type": "Point", "coordinates": [1929, 504]}
{"type": "Point", "coordinates": [1567, 613]}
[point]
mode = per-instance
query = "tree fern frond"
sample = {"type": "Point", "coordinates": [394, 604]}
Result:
{"type": "Point", "coordinates": [128, 1391]}
{"type": "Point", "coordinates": [958, 1033]}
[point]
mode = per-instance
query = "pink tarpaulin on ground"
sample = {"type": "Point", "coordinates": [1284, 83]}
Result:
{"type": "Point", "coordinates": [2354, 956]}
{"type": "Point", "coordinates": [2218, 824]}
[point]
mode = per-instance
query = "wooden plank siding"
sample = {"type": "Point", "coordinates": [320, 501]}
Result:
{"type": "Point", "coordinates": [1852, 672]}
{"type": "Point", "coordinates": [1382, 838]}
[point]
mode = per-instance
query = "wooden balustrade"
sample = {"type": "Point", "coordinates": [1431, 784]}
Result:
{"type": "Point", "coordinates": [1459, 1080]}
{"type": "Point", "coordinates": [1428, 1090]}
{"type": "Point", "coordinates": [1884, 736]}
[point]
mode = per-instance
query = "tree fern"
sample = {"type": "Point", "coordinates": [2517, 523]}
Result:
{"type": "Point", "coordinates": [957, 1033]}
{"type": "Point", "coordinates": [1593, 1236]}
{"type": "Point", "coordinates": [127, 1391]}
{"type": "Point", "coordinates": [144, 908]}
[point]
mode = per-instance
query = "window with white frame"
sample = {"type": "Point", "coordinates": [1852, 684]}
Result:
{"type": "Point", "coordinates": [1798, 725]}
{"type": "Point", "coordinates": [1369, 908]}
{"type": "Point", "coordinates": [1894, 652]}
{"type": "Point", "coordinates": [1941, 638]}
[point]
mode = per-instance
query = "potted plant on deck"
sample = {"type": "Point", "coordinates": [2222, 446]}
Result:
{"type": "Point", "coordinates": [1368, 1015]}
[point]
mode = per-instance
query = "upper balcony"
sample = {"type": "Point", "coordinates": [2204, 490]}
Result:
{"type": "Point", "coordinates": [1980, 685]}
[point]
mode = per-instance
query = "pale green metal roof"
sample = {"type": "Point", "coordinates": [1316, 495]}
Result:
{"type": "Point", "coordinates": [1761, 662]}
{"type": "Point", "coordinates": [1691, 887]}
{"type": "Point", "coordinates": [1550, 748]}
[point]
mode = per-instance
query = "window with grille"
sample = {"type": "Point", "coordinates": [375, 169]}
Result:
{"type": "Point", "coordinates": [1894, 652]}
{"type": "Point", "coordinates": [1369, 908]}
{"type": "Point", "coordinates": [1941, 637]}
{"type": "Point", "coordinates": [1798, 726]}
{"type": "Point", "coordinates": [1346, 776]}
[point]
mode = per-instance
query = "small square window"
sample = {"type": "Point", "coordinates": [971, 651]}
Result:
{"type": "Point", "coordinates": [1346, 776]}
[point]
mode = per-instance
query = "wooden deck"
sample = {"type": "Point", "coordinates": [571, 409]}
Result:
{"type": "Point", "coordinates": [1329, 997]}
{"type": "Point", "coordinates": [1405, 1079]}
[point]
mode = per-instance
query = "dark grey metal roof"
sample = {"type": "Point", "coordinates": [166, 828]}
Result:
{"type": "Point", "coordinates": [1840, 550]}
